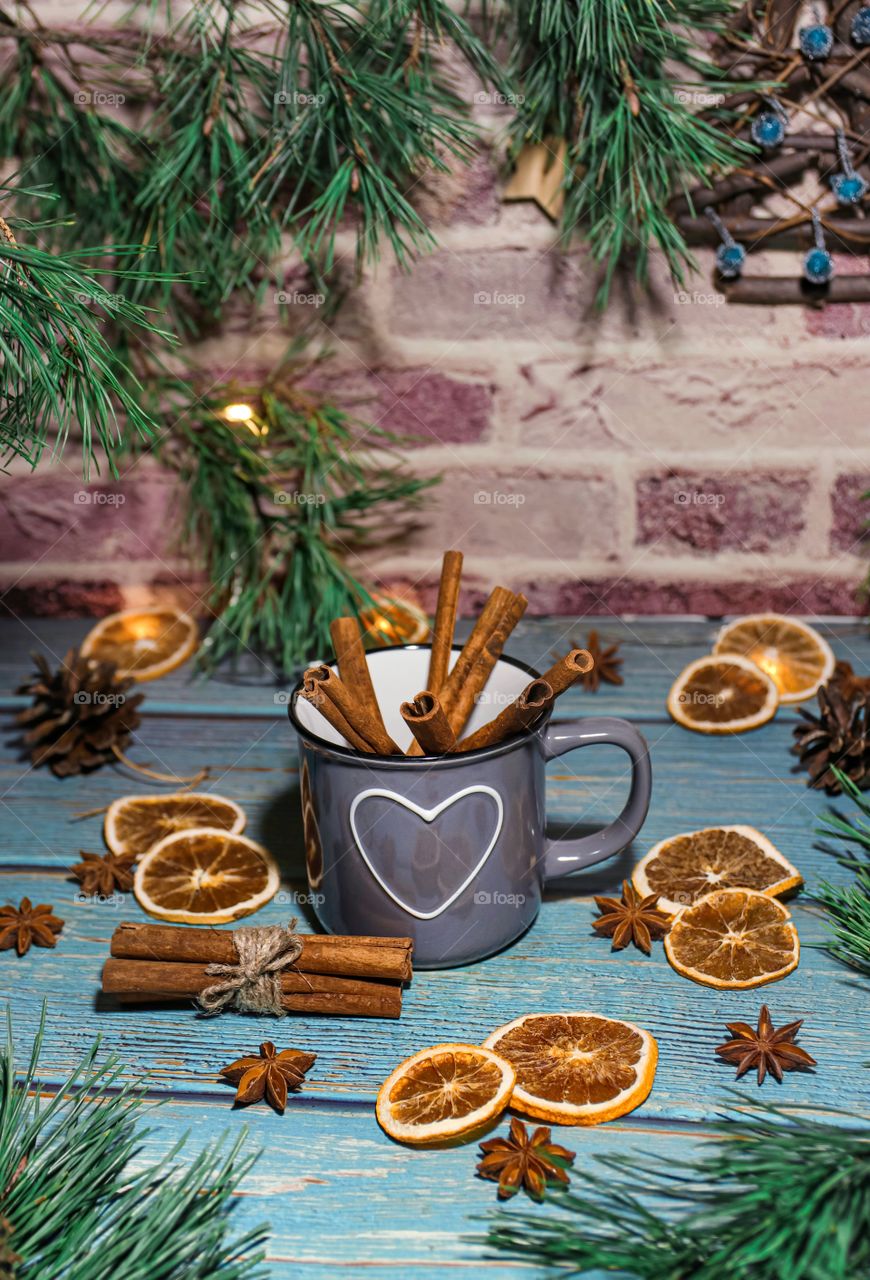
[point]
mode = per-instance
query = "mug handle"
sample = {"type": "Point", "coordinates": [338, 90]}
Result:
{"type": "Point", "coordinates": [562, 857]}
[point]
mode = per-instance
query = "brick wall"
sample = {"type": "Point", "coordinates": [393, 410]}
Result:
{"type": "Point", "coordinates": [671, 455]}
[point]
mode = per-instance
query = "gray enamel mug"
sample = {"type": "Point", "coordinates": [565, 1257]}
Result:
{"type": "Point", "coordinates": [451, 851]}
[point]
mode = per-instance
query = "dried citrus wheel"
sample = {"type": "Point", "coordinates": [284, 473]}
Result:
{"type": "Point", "coordinates": [576, 1068]}
{"type": "Point", "coordinates": [143, 643]}
{"type": "Point", "coordinates": [444, 1092]}
{"type": "Point", "coordinates": [395, 620]}
{"type": "Point", "coordinates": [793, 654]}
{"type": "Point", "coordinates": [205, 876]}
{"type": "Point", "coordinates": [733, 938]}
{"type": "Point", "coordinates": [134, 824]}
{"type": "Point", "coordinates": [722, 695]}
{"type": "Point", "coordinates": [685, 867]}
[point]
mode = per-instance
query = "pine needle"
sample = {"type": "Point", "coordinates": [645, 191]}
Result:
{"type": "Point", "coordinates": [616, 79]}
{"type": "Point", "coordinates": [274, 516]}
{"type": "Point", "coordinates": [848, 907]}
{"type": "Point", "coordinates": [777, 1196]}
{"type": "Point", "coordinates": [75, 1208]}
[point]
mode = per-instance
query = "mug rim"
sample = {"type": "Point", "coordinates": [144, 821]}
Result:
{"type": "Point", "coordinates": [408, 762]}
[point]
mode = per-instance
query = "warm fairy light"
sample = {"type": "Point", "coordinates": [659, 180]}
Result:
{"type": "Point", "coordinates": [245, 415]}
{"type": "Point", "coordinates": [140, 628]}
{"type": "Point", "coordinates": [767, 659]}
{"type": "Point", "coordinates": [238, 412]}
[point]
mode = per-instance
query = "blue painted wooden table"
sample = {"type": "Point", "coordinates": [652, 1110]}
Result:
{"type": "Point", "coordinates": [341, 1198]}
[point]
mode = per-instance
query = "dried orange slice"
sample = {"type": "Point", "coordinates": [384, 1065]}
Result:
{"type": "Point", "coordinates": [134, 824]}
{"type": "Point", "coordinates": [576, 1068]}
{"type": "Point", "coordinates": [722, 695]}
{"type": "Point", "coordinates": [792, 653]}
{"type": "Point", "coordinates": [395, 620]}
{"type": "Point", "coordinates": [687, 866]}
{"type": "Point", "coordinates": [733, 938]}
{"type": "Point", "coordinates": [205, 876]}
{"type": "Point", "coordinates": [443, 1093]}
{"type": "Point", "coordinates": [143, 643]}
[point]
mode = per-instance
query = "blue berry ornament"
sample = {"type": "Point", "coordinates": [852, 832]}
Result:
{"type": "Point", "coordinates": [818, 263]}
{"type": "Point", "coordinates": [848, 187]}
{"type": "Point", "coordinates": [816, 42]}
{"type": "Point", "coordinates": [818, 266]}
{"type": "Point", "coordinates": [730, 256]}
{"type": "Point", "coordinates": [730, 259]}
{"type": "Point", "coordinates": [768, 129]}
{"type": "Point", "coordinates": [861, 26]}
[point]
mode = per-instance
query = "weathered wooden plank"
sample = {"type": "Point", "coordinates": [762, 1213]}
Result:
{"type": "Point", "coordinates": [558, 965]}
{"type": "Point", "coordinates": [654, 650]}
{"type": "Point", "coordinates": [342, 1199]}
{"type": "Point", "coordinates": [403, 1212]}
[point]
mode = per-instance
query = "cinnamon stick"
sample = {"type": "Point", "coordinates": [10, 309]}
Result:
{"type": "Point", "coordinates": [354, 712]}
{"type": "Point", "coordinates": [142, 980]}
{"type": "Point", "coordinates": [425, 717]}
{"type": "Point", "coordinates": [567, 670]}
{"type": "Point", "coordinates": [354, 671]}
{"type": "Point", "coordinates": [495, 606]}
{"type": "Point", "coordinates": [445, 620]}
{"type": "Point", "coordinates": [466, 681]}
{"type": "Point", "coordinates": [312, 692]}
{"type": "Point", "coordinates": [517, 716]}
{"type": "Point", "coordinates": [332, 954]}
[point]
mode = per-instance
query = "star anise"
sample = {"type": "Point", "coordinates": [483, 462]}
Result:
{"type": "Point", "coordinates": [633, 919]}
{"type": "Point", "coordinates": [272, 1074]}
{"type": "Point", "coordinates": [767, 1047]}
{"type": "Point", "coordinates": [25, 924]}
{"type": "Point", "coordinates": [524, 1161]}
{"type": "Point", "coordinates": [102, 874]}
{"type": "Point", "coordinates": [605, 665]}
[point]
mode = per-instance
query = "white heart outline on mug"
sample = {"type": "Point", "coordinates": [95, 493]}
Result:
{"type": "Point", "coordinates": [428, 815]}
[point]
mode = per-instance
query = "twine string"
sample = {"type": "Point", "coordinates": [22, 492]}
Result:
{"type": "Point", "coordinates": [724, 234]}
{"type": "Point", "coordinates": [845, 157]}
{"type": "Point", "coordinates": [253, 984]}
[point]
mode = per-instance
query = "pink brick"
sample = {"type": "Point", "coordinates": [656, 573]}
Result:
{"type": "Point", "coordinates": [55, 598]}
{"type": "Point", "coordinates": [518, 294]}
{"type": "Point", "coordinates": [839, 320]}
{"type": "Point", "coordinates": [434, 407]}
{"type": "Point", "coordinates": [479, 203]}
{"type": "Point", "coordinates": [705, 512]}
{"type": "Point", "coordinates": [54, 516]}
{"type": "Point", "coordinates": [571, 597]}
{"type": "Point", "coordinates": [495, 515]}
{"type": "Point", "coordinates": [799, 595]}
{"type": "Point", "coordinates": [850, 514]}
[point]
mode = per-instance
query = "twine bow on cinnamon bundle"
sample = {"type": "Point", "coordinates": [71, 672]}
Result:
{"type": "Point", "coordinates": [253, 985]}
{"type": "Point", "coordinates": [437, 716]}
{"type": "Point", "coordinates": [270, 970]}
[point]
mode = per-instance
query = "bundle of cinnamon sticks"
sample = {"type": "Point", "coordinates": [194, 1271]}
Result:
{"type": "Point", "coordinates": [437, 716]}
{"type": "Point", "coordinates": [343, 976]}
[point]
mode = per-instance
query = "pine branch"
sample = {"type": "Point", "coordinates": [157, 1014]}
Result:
{"type": "Point", "coordinates": [602, 75]}
{"type": "Point", "coordinates": [848, 907]}
{"type": "Point", "coordinates": [74, 1208]}
{"type": "Point", "coordinates": [59, 367]}
{"type": "Point", "coordinates": [328, 114]}
{"type": "Point", "coordinates": [272, 515]}
{"type": "Point", "coordinates": [777, 1196]}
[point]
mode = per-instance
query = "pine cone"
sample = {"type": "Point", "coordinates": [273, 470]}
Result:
{"type": "Point", "coordinates": [80, 713]}
{"type": "Point", "coordinates": [839, 735]}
